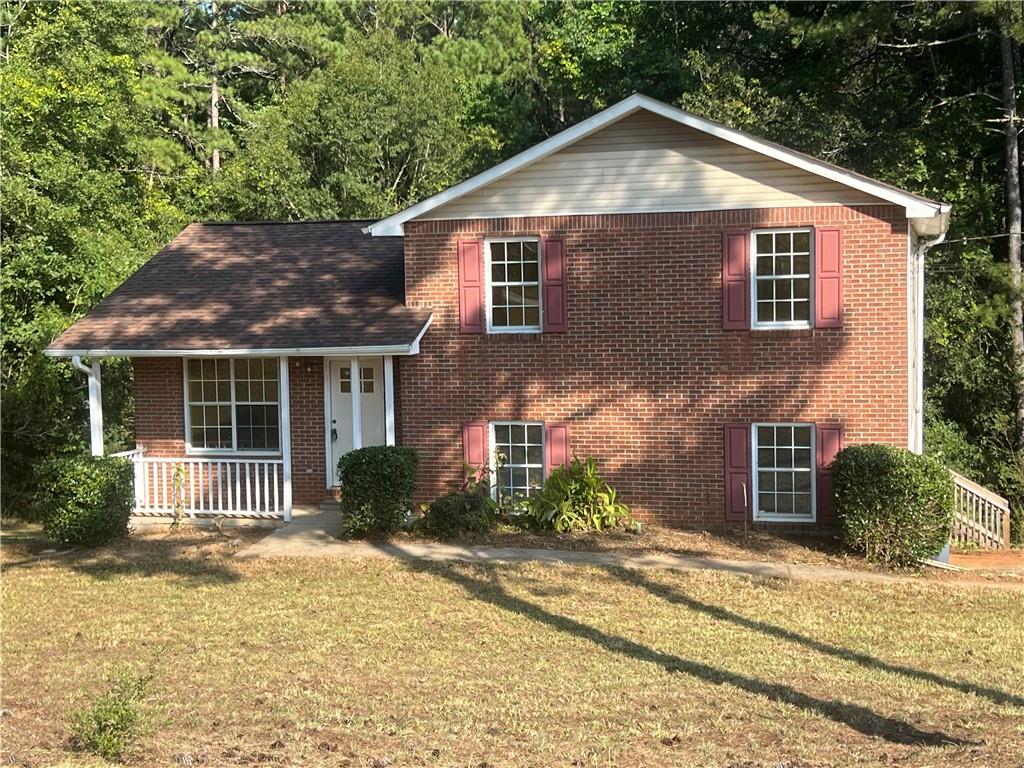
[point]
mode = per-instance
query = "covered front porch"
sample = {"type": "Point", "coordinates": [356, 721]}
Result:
{"type": "Point", "coordinates": [243, 446]}
{"type": "Point", "coordinates": [261, 353]}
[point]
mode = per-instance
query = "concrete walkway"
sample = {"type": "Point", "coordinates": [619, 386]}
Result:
{"type": "Point", "coordinates": [313, 533]}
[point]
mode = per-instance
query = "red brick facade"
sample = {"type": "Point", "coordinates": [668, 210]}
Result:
{"type": "Point", "coordinates": [646, 375]}
{"type": "Point", "coordinates": [306, 386]}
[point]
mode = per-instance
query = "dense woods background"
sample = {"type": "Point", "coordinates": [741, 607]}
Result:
{"type": "Point", "coordinates": [123, 121]}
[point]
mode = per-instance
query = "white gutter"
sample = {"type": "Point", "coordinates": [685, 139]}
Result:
{"type": "Point", "coordinates": [411, 348]}
{"type": "Point", "coordinates": [95, 403]}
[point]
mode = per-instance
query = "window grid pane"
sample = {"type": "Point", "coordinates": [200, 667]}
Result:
{"type": "Point", "coordinates": [782, 277]}
{"type": "Point", "coordinates": [784, 462]}
{"type": "Point", "coordinates": [366, 380]}
{"type": "Point", "coordinates": [518, 453]}
{"type": "Point", "coordinates": [234, 400]}
{"type": "Point", "coordinates": [515, 284]}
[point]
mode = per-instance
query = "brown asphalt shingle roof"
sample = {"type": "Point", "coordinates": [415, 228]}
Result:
{"type": "Point", "coordinates": [278, 286]}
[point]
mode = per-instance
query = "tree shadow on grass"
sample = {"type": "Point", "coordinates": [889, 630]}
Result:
{"type": "Point", "coordinates": [675, 597]}
{"type": "Point", "coordinates": [187, 557]}
{"type": "Point", "coordinates": [860, 718]}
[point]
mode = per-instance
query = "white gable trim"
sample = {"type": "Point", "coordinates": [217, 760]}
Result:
{"type": "Point", "coordinates": [915, 205]}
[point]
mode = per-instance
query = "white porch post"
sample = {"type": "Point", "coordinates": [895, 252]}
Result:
{"type": "Point", "coordinates": [389, 400]}
{"type": "Point", "coordinates": [286, 437]}
{"type": "Point", "coordinates": [357, 405]}
{"type": "Point", "coordinates": [95, 403]}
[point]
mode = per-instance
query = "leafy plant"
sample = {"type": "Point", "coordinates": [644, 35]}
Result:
{"type": "Point", "coordinates": [112, 721]}
{"type": "Point", "coordinates": [469, 510]}
{"type": "Point", "coordinates": [86, 500]}
{"type": "Point", "coordinates": [377, 484]}
{"type": "Point", "coordinates": [891, 504]}
{"type": "Point", "coordinates": [576, 498]}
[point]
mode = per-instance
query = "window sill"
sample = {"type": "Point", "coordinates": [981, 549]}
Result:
{"type": "Point", "coordinates": [794, 327]}
{"type": "Point", "coordinates": [249, 455]}
{"type": "Point", "coordinates": [783, 519]}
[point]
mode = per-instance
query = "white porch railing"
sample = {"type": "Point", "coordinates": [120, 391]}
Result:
{"type": "Point", "coordinates": [980, 517]}
{"type": "Point", "coordinates": [205, 487]}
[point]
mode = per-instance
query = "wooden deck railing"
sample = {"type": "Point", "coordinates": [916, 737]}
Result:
{"type": "Point", "coordinates": [204, 487]}
{"type": "Point", "coordinates": [980, 517]}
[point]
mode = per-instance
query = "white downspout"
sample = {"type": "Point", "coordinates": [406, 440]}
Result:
{"type": "Point", "coordinates": [95, 403]}
{"type": "Point", "coordinates": [920, 251]}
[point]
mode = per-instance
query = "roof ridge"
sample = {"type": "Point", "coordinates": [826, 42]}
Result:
{"type": "Point", "coordinates": [266, 222]}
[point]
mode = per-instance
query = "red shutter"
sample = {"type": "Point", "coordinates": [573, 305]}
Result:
{"type": "Point", "coordinates": [556, 446]}
{"type": "Point", "coordinates": [737, 472]}
{"type": "Point", "coordinates": [471, 286]}
{"type": "Point", "coordinates": [554, 284]}
{"type": "Point", "coordinates": [736, 280]}
{"type": "Point", "coordinates": [474, 445]}
{"type": "Point", "coordinates": [830, 442]}
{"type": "Point", "coordinates": [828, 278]}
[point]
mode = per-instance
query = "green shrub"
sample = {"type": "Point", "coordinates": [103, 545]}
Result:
{"type": "Point", "coordinates": [471, 510]}
{"type": "Point", "coordinates": [891, 504]}
{"type": "Point", "coordinates": [377, 484]}
{"type": "Point", "coordinates": [86, 500]}
{"type": "Point", "coordinates": [576, 498]}
{"type": "Point", "coordinates": [112, 721]}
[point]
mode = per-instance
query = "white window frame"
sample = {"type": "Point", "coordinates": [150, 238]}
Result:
{"type": "Point", "coordinates": [493, 451]}
{"type": "Point", "coordinates": [491, 328]}
{"type": "Point", "coordinates": [756, 499]}
{"type": "Point", "coordinates": [752, 267]}
{"type": "Point", "coordinates": [190, 450]}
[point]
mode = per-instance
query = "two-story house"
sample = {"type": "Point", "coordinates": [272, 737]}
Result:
{"type": "Point", "coordinates": [708, 314]}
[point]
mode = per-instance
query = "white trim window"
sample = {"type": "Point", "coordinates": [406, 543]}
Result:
{"type": "Point", "coordinates": [513, 285]}
{"type": "Point", "coordinates": [517, 454]}
{"type": "Point", "coordinates": [782, 287]}
{"type": "Point", "coordinates": [232, 405]}
{"type": "Point", "coordinates": [784, 469]}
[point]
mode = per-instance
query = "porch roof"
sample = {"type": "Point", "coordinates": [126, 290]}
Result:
{"type": "Point", "coordinates": [270, 288]}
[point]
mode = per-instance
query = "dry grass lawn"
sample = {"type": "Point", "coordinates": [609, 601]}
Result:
{"type": "Point", "coordinates": [377, 663]}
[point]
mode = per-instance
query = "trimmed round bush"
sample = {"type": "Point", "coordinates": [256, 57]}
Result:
{"type": "Point", "coordinates": [893, 505]}
{"type": "Point", "coordinates": [85, 500]}
{"type": "Point", "coordinates": [377, 484]}
{"type": "Point", "coordinates": [467, 511]}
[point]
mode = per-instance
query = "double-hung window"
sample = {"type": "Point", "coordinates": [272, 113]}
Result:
{"type": "Point", "coordinates": [782, 278]}
{"type": "Point", "coordinates": [513, 292]}
{"type": "Point", "coordinates": [233, 405]}
{"type": "Point", "coordinates": [517, 454]}
{"type": "Point", "coordinates": [784, 466]}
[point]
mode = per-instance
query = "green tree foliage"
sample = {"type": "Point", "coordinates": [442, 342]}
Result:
{"type": "Point", "coordinates": [79, 212]}
{"type": "Point", "coordinates": [377, 130]}
{"type": "Point", "coordinates": [355, 108]}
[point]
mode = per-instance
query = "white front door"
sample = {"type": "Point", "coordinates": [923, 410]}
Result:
{"type": "Point", "coordinates": [371, 402]}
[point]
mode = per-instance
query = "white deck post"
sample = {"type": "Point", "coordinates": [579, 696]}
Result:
{"type": "Point", "coordinates": [357, 405]}
{"type": "Point", "coordinates": [95, 403]}
{"type": "Point", "coordinates": [286, 439]}
{"type": "Point", "coordinates": [389, 400]}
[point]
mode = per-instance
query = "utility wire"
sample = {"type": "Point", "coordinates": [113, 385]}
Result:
{"type": "Point", "coordinates": [966, 239]}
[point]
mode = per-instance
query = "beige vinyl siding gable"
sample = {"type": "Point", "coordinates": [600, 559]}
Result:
{"type": "Point", "coordinates": [647, 163]}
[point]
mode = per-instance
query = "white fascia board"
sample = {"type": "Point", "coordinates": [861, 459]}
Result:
{"type": "Point", "coordinates": [916, 206]}
{"type": "Point", "coordinates": [393, 349]}
{"type": "Point", "coordinates": [381, 349]}
{"type": "Point", "coordinates": [414, 348]}
{"type": "Point", "coordinates": [392, 225]}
